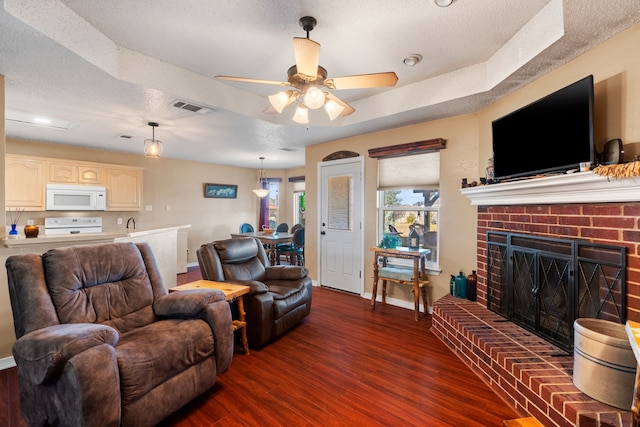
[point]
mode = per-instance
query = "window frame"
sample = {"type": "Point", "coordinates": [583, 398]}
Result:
{"type": "Point", "coordinates": [432, 267]}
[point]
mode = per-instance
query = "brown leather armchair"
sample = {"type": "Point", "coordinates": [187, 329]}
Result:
{"type": "Point", "coordinates": [100, 342]}
{"type": "Point", "coordinates": [280, 295]}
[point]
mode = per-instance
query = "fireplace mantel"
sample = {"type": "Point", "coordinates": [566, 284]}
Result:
{"type": "Point", "coordinates": [579, 187]}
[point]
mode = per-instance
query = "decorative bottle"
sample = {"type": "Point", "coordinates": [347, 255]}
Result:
{"type": "Point", "coordinates": [452, 284]}
{"type": "Point", "coordinates": [472, 281]}
{"type": "Point", "coordinates": [490, 171]}
{"type": "Point", "coordinates": [461, 286]}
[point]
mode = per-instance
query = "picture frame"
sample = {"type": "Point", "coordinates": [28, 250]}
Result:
{"type": "Point", "coordinates": [220, 191]}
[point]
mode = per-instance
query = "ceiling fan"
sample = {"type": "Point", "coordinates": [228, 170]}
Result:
{"type": "Point", "coordinates": [308, 80]}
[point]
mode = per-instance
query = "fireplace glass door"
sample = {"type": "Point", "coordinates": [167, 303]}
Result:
{"type": "Point", "coordinates": [544, 284]}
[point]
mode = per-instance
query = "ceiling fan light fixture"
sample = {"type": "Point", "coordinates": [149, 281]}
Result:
{"type": "Point", "coordinates": [314, 98]}
{"type": "Point", "coordinates": [333, 109]}
{"type": "Point", "coordinates": [302, 115]}
{"type": "Point", "coordinates": [282, 100]}
{"type": "Point", "coordinates": [443, 3]}
{"type": "Point", "coordinates": [153, 147]}
{"type": "Point", "coordinates": [260, 191]}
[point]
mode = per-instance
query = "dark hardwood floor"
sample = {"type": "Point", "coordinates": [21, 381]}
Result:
{"type": "Point", "coordinates": [345, 365]}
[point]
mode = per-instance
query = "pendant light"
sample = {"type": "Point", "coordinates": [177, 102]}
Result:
{"type": "Point", "coordinates": [260, 191]}
{"type": "Point", "coordinates": [153, 147]}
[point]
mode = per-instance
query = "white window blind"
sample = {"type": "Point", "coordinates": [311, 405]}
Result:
{"type": "Point", "coordinates": [418, 170]}
{"type": "Point", "coordinates": [298, 186]}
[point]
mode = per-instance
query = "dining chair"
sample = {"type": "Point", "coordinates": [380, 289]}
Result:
{"type": "Point", "coordinates": [246, 228]}
{"type": "Point", "coordinates": [283, 227]}
{"type": "Point", "coordinates": [295, 252]}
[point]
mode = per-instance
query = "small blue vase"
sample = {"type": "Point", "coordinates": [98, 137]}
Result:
{"type": "Point", "coordinates": [13, 231]}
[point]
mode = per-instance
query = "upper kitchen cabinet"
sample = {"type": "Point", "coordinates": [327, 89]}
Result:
{"type": "Point", "coordinates": [24, 183]}
{"type": "Point", "coordinates": [75, 173]}
{"type": "Point", "coordinates": [124, 188]}
{"type": "Point", "coordinates": [26, 178]}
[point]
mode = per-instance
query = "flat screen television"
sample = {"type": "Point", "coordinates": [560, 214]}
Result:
{"type": "Point", "coordinates": [552, 134]}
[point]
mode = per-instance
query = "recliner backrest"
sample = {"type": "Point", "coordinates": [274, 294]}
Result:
{"type": "Point", "coordinates": [233, 259]}
{"type": "Point", "coordinates": [114, 284]}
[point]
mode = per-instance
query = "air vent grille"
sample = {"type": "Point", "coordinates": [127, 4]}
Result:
{"type": "Point", "coordinates": [183, 105]}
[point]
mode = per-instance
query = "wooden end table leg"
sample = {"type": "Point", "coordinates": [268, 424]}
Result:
{"type": "Point", "coordinates": [384, 291]}
{"type": "Point", "coordinates": [416, 289]}
{"type": "Point", "coordinates": [374, 291]}
{"type": "Point", "coordinates": [242, 318]}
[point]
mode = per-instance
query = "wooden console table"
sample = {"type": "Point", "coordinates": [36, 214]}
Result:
{"type": "Point", "coordinates": [416, 276]}
{"type": "Point", "coordinates": [231, 293]}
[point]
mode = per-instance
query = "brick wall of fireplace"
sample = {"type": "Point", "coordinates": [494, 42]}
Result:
{"type": "Point", "coordinates": [605, 223]}
{"type": "Point", "coordinates": [526, 371]}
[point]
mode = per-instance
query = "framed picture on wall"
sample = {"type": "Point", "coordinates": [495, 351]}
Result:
{"type": "Point", "coordinates": [220, 191]}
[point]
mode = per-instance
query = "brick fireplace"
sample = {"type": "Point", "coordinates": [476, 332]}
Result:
{"type": "Point", "coordinates": [531, 374]}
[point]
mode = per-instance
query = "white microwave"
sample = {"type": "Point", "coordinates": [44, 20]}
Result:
{"type": "Point", "coordinates": [61, 197]}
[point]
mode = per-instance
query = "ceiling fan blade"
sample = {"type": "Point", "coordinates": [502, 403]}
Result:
{"type": "Point", "coordinates": [362, 81]}
{"type": "Point", "coordinates": [249, 80]}
{"type": "Point", "coordinates": [348, 109]}
{"type": "Point", "coordinates": [307, 56]}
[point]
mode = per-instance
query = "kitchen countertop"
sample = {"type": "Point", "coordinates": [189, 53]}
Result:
{"type": "Point", "coordinates": [79, 238]}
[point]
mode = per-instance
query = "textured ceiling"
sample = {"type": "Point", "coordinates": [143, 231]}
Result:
{"type": "Point", "coordinates": [107, 68]}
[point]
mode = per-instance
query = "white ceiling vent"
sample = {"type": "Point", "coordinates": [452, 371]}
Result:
{"type": "Point", "coordinates": [183, 105]}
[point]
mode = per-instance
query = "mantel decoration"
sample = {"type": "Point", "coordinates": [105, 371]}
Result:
{"type": "Point", "coordinates": [14, 216]}
{"type": "Point", "coordinates": [260, 189]}
{"type": "Point", "coordinates": [624, 170]}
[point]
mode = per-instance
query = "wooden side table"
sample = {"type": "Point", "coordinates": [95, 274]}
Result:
{"type": "Point", "coordinates": [232, 293]}
{"type": "Point", "coordinates": [416, 277]}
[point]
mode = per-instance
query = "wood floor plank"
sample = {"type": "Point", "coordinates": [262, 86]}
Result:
{"type": "Point", "coordinates": [345, 365]}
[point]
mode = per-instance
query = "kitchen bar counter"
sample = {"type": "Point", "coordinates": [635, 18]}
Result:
{"type": "Point", "coordinates": [106, 236]}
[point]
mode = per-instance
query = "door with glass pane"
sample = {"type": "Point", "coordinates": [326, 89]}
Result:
{"type": "Point", "coordinates": [341, 243]}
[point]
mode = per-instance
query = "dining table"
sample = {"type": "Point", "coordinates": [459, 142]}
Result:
{"type": "Point", "coordinates": [268, 240]}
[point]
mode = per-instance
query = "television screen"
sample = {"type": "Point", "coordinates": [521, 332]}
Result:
{"type": "Point", "coordinates": [553, 134]}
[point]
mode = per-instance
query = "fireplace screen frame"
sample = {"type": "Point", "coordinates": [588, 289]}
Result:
{"type": "Point", "coordinates": [544, 284]}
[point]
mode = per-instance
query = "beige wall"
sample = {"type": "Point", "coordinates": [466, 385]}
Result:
{"type": "Point", "coordinates": [617, 115]}
{"type": "Point", "coordinates": [617, 76]}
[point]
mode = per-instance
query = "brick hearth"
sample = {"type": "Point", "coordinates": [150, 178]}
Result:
{"type": "Point", "coordinates": [529, 373]}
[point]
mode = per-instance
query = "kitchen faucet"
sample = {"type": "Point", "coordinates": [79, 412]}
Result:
{"type": "Point", "coordinates": [134, 223]}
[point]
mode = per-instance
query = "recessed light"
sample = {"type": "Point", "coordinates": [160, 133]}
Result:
{"type": "Point", "coordinates": [412, 59]}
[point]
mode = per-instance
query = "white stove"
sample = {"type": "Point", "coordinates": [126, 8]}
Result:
{"type": "Point", "coordinates": [72, 225]}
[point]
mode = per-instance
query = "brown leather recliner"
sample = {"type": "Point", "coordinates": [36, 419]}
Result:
{"type": "Point", "coordinates": [280, 295]}
{"type": "Point", "coordinates": [100, 342]}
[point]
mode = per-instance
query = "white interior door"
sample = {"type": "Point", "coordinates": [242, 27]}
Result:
{"type": "Point", "coordinates": [341, 238]}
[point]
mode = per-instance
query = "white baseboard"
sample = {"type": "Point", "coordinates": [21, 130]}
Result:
{"type": "Point", "coordinates": [7, 362]}
{"type": "Point", "coordinates": [399, 303]}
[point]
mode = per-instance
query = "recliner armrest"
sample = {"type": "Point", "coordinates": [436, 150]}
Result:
{"type": "Point", "coordinates": [286, 272]}
{"type": "Point", "coordinates": [256, 287]}
{"type": "Point", "coordinates": [186, 304]}
{"type": "Point", "coordinates": [43, 353]}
